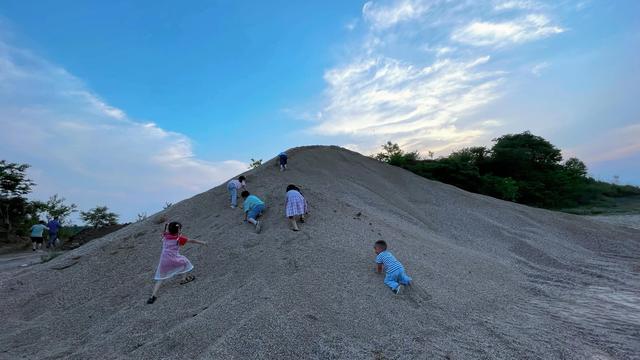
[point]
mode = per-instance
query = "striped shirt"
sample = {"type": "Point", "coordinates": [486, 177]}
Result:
{"type": "Point", "coordinates": [237, 183]}
{"type": "Point", "coordinates": [391, 264]}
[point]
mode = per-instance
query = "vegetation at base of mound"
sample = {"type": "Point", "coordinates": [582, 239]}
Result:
{"type": "Point", "coordinates": [523, 168]}
{"type": "Point", "coordinates": [18, 214]}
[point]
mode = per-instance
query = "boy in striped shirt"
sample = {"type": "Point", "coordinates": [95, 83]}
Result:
{"type": "Point", "coordinates": [395, 277]}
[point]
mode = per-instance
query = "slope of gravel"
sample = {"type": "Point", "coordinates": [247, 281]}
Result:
{"type": "Point", "coordinates": [492, 279]}
{"type": "Point", "coordinates": [629, 220]}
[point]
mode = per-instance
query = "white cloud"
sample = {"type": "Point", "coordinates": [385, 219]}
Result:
{"type": "Point", "coordinates": [516, 4]}
{"type": "Point", "coordinates": [525, 29]}
{"type": "Point", "coordinates": [385, 16]}
{"type": "Point", "coordinates": [89, 151]}
{"type": "Point", "coordinates": [416, 106]}
{"type": "Point", "coordinates": [426, 97]}
{"type": "Point", "coordinates": [351, 25]}
{"type": "Point", "coordinates": [537, 69]}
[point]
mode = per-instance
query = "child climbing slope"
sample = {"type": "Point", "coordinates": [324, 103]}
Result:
{"type": "Point", "coordinates": [253, 208]}
{"type": "Point", "coordinates": [234, 186]}
{"type": "Point", "coordinates": [171, 262]}
{"type": "Point", "coordinates": [282, 158]}
{"type": "Point", "coordinates": [395, 276]}
{"type": "Point", "coordinates": [295, 205]}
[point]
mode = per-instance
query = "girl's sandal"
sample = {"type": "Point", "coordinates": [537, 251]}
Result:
{"type": "Point", "coordinates": [187, 280]}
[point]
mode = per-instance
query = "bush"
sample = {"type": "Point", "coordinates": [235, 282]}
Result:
{"type": "Point", "coordinates": [519, 167]}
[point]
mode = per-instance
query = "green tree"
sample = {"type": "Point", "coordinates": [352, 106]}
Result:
{"type": "Point", "coordinates": [255, 163]}
{"type": "Point", "coordinates": [99, 216]}
{"type": "Point", "coordinates": [392, 154]}
{"type": "Point", "coordinates": [575, 168]}
{"type": "Point", "coordinates": [56, 207]}
{"type": "Point", "coordinates": [14, 186]}
{"type": "Point", "coordinates": [389, 151]}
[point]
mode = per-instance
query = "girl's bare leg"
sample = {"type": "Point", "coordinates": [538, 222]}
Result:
{"type": "Point", "coordinates": [156, 288]}
{"type": "Point", "coordinates": [294, 225]}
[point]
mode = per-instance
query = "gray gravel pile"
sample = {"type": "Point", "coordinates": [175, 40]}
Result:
{"type": "Point", "coordinates": [493, 279]}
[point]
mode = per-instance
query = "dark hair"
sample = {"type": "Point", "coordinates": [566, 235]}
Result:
{"type": "Point", "coordinates": [242, 178]}
{"type": "Point", "coordinates": [381, 244]}
{"type": "Point", "coordinates": [41, 222]}
{"type": "Point", "coordinates": [174, 227]}
{"type": "Point", "coordinates": [292, 187]}
{"type": "Point", "coordinates": [245, 194]}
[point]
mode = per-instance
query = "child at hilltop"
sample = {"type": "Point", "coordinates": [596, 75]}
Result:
{"type": "Point", "coordinates": [253, 207]}
{"type": "Point", "coordinates": [171, 262]}
{"type": "Point", "coordinates": [282, 157]}
{"type": "Point", "coordinates": [395, 276]}
{"type": "Point", "coordinates": [37, 231]}
{"type": "Point", "coordinates": [234, 186]}
{"type": "Point", "coordinates": [295, 205]}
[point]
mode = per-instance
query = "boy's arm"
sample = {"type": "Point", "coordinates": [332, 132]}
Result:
{"type": "Point", "coordinates": [379, 268]}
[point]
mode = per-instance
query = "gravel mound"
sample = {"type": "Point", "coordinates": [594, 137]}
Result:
{"type": "Point", "coordinates": [90, 233]}
{"type": "Point", "coordinates": [493, 279]}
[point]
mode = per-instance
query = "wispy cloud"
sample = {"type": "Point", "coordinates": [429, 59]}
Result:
{"type": "Point", "coordinates": [525, 29]}
{"type": "Point", "coordinates": [388, 98]}
{"type": "Point", "coordinates": [88, 150]}
{"type": "Point", "coordinates": [537, 69]}
{"type": "Point", "coordinates": [415, 84]}
{"type": "Point", "coordinates": [385, 16]}
{"type": "Point", "coordinates": [516, 4]}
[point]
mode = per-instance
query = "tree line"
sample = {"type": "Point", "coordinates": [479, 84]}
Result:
{"type": "Point", "coordinates": [18, 213]}
{"type": "Point", "coordinates": [523, 168]}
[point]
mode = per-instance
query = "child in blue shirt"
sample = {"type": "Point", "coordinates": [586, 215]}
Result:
{"type": "Point", "coordinates": [395, 277]}
{"type": "Point", "coordinates": [253, 207]}
{"type": "Point", "coordinates": [37, 231]}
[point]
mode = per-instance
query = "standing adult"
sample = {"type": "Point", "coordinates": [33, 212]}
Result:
{"type": "Point", "coordinates": [54, 226]}
{"type": "Point", "coordinates": [283, 160]}
{"type": "Point", "coordinates": [36, 234]}
{"type": "Point", "coordinates": [234, 186]}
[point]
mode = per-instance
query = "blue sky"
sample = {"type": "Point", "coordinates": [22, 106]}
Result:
{"type": "Point", "coordinates": [131, 104]}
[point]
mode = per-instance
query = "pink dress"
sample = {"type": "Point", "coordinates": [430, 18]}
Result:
{"type": "Point", "coordinates": [171, 262]}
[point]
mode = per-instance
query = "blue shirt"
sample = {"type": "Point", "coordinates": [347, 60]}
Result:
{"type": "Point", "coordinates": [391, 264]}
{"type": "Point", "coordinates": [53, 225]}
{"type": "Point", "coordinates": [250, 202]}
{"type": "Point", "coordinates": [37, 230]}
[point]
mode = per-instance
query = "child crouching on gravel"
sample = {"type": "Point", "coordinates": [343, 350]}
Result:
{"type": "Point", "coordinates": [253, 207]}
{"type": "Point", "coordinates": [395, 277]}
{"type": "Point", "coordinates": [234, 186]}
{"type": "Point", "coordinates": [171, 262]}
{"type": "Point", "coordinates": [295, 205]}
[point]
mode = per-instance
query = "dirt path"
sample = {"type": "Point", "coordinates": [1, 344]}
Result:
{"type": "Point", "coordinates": [20, 259]}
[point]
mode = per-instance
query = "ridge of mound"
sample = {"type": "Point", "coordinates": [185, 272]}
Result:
{"type": "Point", "coordinates": [492, 278]}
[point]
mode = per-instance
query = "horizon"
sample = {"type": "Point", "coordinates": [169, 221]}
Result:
{"type": "Point", "coordinates": [134, 105]}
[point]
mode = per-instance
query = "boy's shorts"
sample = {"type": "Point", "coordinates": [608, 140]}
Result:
{"type": "Point", "coordinates": [255, 212]}
{"type": "Point", "coordinates": [36, 239]}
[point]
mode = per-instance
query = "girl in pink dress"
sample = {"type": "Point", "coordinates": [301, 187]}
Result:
{"type": "Point", "coordinates": [171, 262]}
